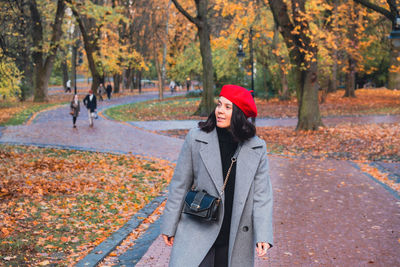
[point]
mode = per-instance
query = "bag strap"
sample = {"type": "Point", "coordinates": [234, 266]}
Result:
{"type": "Point", "coordinates": [197, 200]}
{"type": "Point", "coordinates": [233, 160]}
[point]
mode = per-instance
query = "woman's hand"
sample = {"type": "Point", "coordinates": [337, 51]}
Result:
{"type": "Point", "coordinates": [262, 248]}
{"type": "Point", "coordinates": [169, 240]}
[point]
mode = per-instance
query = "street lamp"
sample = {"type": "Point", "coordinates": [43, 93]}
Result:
{"type": "Point", "coordinates": [240, 54]}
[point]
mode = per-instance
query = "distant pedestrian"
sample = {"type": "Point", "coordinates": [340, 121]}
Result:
{"type": "Point", "coordinates": [172, 86]}
{"type": "Point", "coordinates": [109, 90]}
{"type": "Point", "coordinates": [223, 148]}
{"type": "Point", "coordinates": [68, 85]}
{"type": "Point", "coordinates": [188, 82]}
{"type": "Point", "coordinates": [75, 109]}
{"type": "Point", "coordinates": [101, 91]}
{"type": "Point", "coordinates": [90, 103]}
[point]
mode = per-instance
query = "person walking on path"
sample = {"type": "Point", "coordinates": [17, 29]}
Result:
{"type": "Point", "coordinates": [75, 109]}
{"type": "Point", "coordinates": [172, 86]}
{"type": "Point", "coordinates": [188, 83]}
{"type": "Point", "coordinates": [68, 85]}
{"type": "Point", "coordinates": [101, 91]}
{"type": "Point", "coordinates": [244, 220]}
{"type": "Point", "coordinates": [90, 103]}
{"type": "Point", "coordinates": [109, 90]}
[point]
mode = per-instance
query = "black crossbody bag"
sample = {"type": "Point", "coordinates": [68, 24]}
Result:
{"type": "Point", "coordinates": [203, 206]}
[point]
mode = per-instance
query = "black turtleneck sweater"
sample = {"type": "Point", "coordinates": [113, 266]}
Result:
{"type": "Point", "coordinates": [227, 147]}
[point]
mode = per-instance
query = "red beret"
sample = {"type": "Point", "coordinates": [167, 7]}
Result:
{"type": "Point", "coordinates": [241, 97]}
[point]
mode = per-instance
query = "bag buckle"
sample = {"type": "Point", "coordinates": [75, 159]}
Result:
{"type": "Point", "coordinates": [194, 206]}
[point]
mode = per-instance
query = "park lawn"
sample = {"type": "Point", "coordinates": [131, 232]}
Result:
{"type": "Point", "coordinates": [176, 108]}
{"type": "Point", "coordinates": [368, 101]}
{"type": "Point", "coordinates": [14, 112]}
{"type": "Point", "coordinates": [56, 205]}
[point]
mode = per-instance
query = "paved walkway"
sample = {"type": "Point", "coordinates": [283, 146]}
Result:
{"type": "Point", "coordinates": [327, 212]}
{"type": "Point", "coordinates": [54, 128]}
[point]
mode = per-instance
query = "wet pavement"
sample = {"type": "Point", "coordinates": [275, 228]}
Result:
{"type": "Point", "coordinates": [326, 213]}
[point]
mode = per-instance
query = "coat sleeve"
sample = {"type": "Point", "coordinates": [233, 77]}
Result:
{"type": "Point", "coordinates": [263, 202]}
{"type": "Point", "coordinates": [180, 184]}
{"type": "Point", "coordinates": [95, 102]}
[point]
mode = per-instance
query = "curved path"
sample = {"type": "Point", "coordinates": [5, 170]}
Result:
{"type": "Point", "coordinates": [327, 212]}
{"type": "Point", "coordinates": [54, 128]}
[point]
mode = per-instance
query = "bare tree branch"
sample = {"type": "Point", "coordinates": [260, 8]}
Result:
{"type": "Point", "coordinates": [186, 14]}
{"type": "Point", "coordinates": [377, 8]}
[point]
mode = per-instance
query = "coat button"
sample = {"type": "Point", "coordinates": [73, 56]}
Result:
{"type": "Point", "coordinates": [245, 228]}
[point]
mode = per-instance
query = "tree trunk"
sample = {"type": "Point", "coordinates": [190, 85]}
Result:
{"type": "Point", "coordinates": [207, 101]}
{"type": "Point", "coordinates": [159, 74]}
{"type": "Point", "coordinates": [41, 83]}
{"type": "Point", "coordinates": [73, 66]}
{"type": "Point", "coordinates": [163, 77]}
{"type": "Point", "coordinates": [333, 80]}
{"type": "Point", "coordinates": [160, 81]}
{"type": "Point", "coordinates": [90, 34]}
{"type": "Point", "coordinates": [128, 79]}
{"type": "Point", "coordinates": [285, 93]}
{"type": "Point", "coordinates": [350, 79]}
{"type": "Point", "coordinates": [139, 80]}
{"type": "Point", "coordinates": [117, 82]}
{"type": "Point", "coordinates": [308, 113]}
{"type": "Point", "coordinates": [305, 72]}
{"type": "Point", "coordinates": [44, 65]}
{"type": "Point", "coordinates": [394, 73]}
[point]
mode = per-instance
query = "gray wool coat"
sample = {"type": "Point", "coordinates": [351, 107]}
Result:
{"type": "Point", "coordinates": [199, 164]}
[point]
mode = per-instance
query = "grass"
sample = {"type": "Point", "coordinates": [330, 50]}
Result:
{"type": "Point", "coordinates": [23, 115]}
{"type": "Point", "coordinates": [178, 107]}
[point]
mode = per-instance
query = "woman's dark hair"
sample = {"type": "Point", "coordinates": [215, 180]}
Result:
{"type": "Point", "coordinates": [240, 128]}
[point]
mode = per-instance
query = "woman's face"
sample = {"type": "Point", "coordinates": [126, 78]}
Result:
{"type": "Point", "coordinates": [223, 112]}
{"type": "Point", "coordinates": [76, 98]}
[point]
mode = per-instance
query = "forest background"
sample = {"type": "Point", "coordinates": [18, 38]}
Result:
{"type": "Point", "coordinates": [299, 47]}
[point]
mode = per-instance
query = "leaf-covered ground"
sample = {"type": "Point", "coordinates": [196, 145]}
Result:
{"type": "Point", "coordinates": [56, 205]}
{"type": "Point", "coordinates": [366, 142]}
{"type": "Point", "coordinates": [368, 101]}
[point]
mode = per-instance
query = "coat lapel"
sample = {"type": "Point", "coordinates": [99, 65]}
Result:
{"type": "Point", "coordinates": [210, 154]}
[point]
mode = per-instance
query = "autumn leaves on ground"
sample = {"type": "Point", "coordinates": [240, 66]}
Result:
{"type": "Point", "coordinates": [56, 205]}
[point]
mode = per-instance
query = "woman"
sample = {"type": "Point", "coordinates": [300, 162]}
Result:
{"type": "Point", "coordinates": [75, 109]}
{"type": "Point", "coordinates": [245, 215]}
